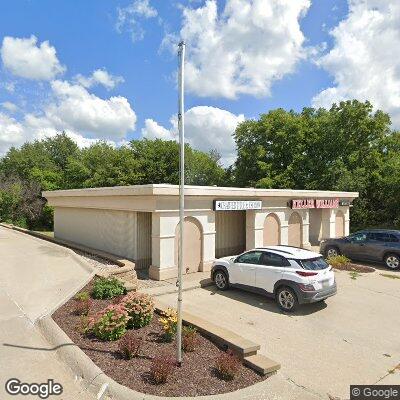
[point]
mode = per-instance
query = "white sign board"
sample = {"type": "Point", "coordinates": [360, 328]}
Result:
{"type": "Point", "coordinates": [236, 205]}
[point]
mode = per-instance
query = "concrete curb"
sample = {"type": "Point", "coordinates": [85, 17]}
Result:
{"type": "Point", "coordinates": [95, 380]}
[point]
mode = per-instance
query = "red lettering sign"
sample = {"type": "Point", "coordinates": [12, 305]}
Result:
{"type": "Point", "coordinates": [314, 203]}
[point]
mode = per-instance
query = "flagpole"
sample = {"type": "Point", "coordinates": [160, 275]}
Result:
{"type": "Point", "coordinates": [181, 127]}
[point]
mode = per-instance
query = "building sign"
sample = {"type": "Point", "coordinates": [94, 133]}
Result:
{"type": "Point", "coordinates": [345, 203]}
{"type": "Point", "coordinates": [314, 203]}
{"type": "Point", "coordinates": [237, 205]}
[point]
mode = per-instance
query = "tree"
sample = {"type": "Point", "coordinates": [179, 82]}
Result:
{"type": "Point", "coordinates": [348, 147]}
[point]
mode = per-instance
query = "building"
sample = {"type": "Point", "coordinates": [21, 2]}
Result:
{"type": "Point", "coordinates": [141, 222]}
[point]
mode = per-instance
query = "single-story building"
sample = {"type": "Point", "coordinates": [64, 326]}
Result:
{"type": "Point", "coordinates": [141, 222]}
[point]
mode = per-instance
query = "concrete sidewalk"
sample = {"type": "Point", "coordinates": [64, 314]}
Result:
{"type": "Point", "coordinates": [35, 278]}
{"type": "Point", "coordinates": [323, 348]}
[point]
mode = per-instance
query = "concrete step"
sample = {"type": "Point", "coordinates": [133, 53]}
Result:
{"type": "Point", "coordinates": [261, 364]}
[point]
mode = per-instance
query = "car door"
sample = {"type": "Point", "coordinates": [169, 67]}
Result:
{"type": "Point", "coordinates": [355, 246]}
{"type": "Point", "coordinates": [374, 245]}
{"type": "Point", "coordinates": [243, 268]}
{"type": "Point", "coordinates": [269, 270]}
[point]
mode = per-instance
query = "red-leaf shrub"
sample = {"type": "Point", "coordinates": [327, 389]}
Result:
{"type": "Point", "coordinates": [190, 338]}
{"type": "Point", "coordinates": [140, 308]}
{"type": "Point", "coordinates": [162, 367]}
{"type": "Point", "coordinates": [227, 365]}
{"type": "Point", "coordinates": [129, 346]}
{"type": "Point", "coordinates": [110, 323]}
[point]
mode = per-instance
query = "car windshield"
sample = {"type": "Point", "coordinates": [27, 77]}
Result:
{"type": "Point", "coordinates": [314, 264]}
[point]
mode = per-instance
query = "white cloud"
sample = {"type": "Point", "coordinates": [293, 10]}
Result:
{"type": "Point", "coordinates": [11, 133]}
{"type": "Point", "coordinates": [127, 18]}
{"type": "Point", "coordinates": [206, 128]}
{"type": "Point", "coordinates": [99, 77]}
{"type": "Point", "coordinates": [84, 117]}
{"type": "Point", "coordinates": [11, 107]}
{"type": "Point", "coordinates": [152, 130]}
{"type": "Point", "coordinates": [27, 58]}
{"type": "Point", "coordinates": [363, 60]}
{"type": "Point", "coordinates": [244, 48]}
{"type": "Point", "coordinates": [77, 109]}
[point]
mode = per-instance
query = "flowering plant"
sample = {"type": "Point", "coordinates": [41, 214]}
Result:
{"type": "Point", "coordinates": [110, 323]}
{"type": "Point", "coordinates": [140, 308]}
{"type": "Point", "coordinates": [169, 321]}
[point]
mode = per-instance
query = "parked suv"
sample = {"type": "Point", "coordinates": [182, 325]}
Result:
{"type": "Point", "coordinates": [373, 245]}
{"type": "Point", "coordinates": [289, 274]}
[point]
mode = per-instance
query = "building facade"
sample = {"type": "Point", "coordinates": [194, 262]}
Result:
{"type": "Point", "coordinates": [141, 222]}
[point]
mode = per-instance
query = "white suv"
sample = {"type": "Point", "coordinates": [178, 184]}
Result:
{"type": "Point", "coordinates": [289, 274]}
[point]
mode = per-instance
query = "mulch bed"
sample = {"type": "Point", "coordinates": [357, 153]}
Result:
{"type": "Point", "coordinates": [196, 376]}
{"type": "Point", "coordinates": [354, 268]}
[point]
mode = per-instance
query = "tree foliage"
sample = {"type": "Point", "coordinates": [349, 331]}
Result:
{"type": "Point", "coordinates": [348, 147]}
{"type": "Point", "coordinates": [58, 163]}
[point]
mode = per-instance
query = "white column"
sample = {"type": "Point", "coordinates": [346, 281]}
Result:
{"type": "Point", "coordinates": [346, 212]}
{"type": "Point", "coordinates": [207, 221]}
{"type": "Point", "coordinates": [163, 246]}
{"type": "Point", "coordinates": [305, 215]}
{"type": "Point", "coordinates": [255, 228]}
{"type": "Point", "coordinates": [328, 223]}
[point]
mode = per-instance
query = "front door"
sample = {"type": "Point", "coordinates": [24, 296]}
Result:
{"type": "Point", "coordinates": [355, 246]}
{"type": "Point", "coordinates": [243, 269]}
{"type": "Point", "coordinates": [269, 271]}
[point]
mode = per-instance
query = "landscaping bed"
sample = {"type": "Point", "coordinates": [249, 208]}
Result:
{"type": "Point", "coordinates": [197, 376]}
{"type": "Point", "coordinates": [354, 268]}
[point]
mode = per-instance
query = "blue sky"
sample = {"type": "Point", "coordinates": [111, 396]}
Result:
{"type": "Point", "coordinates": [137, 54]}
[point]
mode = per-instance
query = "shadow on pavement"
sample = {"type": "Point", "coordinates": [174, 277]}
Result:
{"type": "Point", "coordinates": [263, 302]}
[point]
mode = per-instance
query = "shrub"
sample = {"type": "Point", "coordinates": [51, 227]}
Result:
{"type": "Point", "coordinates": [227, 365]}
{"type": "Point", "coordinates": [338, 261]}
{"type": "Point", "coordinates": [106, 288]}
{"type": "Point", "coordinates": [83, 303]}
{"type": "Point", "coordinates": [169, 321]}
{"type": "Point", "coordinates": [162, 367]}
{"type": "Point", "coordinates": [129, 346]}
{"type": "Point", "coordinates": [140, 308]}
{"type": "Point", "coordinates": [110, 323]}
{"type": "Point", "coordinates": [189, 338]}
{"type": "Point", "coordinates": [83, 325]}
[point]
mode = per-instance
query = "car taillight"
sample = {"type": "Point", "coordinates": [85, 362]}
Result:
{"type": "Point", "coordinates": [306, 288]}
{"type": "Point", "coordinates": [306, 273]}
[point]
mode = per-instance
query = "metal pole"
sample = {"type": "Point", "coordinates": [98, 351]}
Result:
{"type": "Point", "coordinates": [181, 127]}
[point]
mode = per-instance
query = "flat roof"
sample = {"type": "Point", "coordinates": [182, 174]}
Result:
{"type": "Point", "coordinates": [210, 191]}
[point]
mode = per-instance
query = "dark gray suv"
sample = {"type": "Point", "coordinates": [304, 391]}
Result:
{"type": "Point", "coordinates": [372, 244]}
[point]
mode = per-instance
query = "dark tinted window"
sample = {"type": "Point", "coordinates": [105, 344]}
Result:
{"type": "Point", "coordinates": [252, 257]}
{"type": "Point", "coordinates": [314, 264]}
{"type": "Point", "coordinates": [273, 260]}
{"type": "Point", "coordinates": [393, 238]}
{"type": "Point", "coordinates": [358, 237]}
{"type": "Point", "coordinates": [378, 236]}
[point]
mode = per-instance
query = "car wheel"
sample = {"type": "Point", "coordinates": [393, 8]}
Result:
{"type": "Point", "coordinates": [221, 280]}
{"type": "Point", "coordinates": [392, 261]}
{"type": "Point", "coordinates": [332, 251]}
{"type": "Point", "coordinates": [287, 299]}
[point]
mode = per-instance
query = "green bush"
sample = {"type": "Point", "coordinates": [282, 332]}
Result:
{"type": "Point", "coordinates": [110, 323]}
{"type": "Point", "coordinates": [140, 308]}
{"type": "Point", "coordinates": [83, 303]}
{"type": "Point", "coordinates": [338, 261]}
{"type": "Point", "coordinates": [107, 288]}
{"type": "Point", "coordinates": [190, 338]}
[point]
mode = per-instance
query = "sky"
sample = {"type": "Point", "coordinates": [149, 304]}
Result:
{"type": "Point", "coordinates": [106, 69]}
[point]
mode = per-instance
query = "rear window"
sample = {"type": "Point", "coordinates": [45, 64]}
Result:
{"type": "Point", "coordinates": [314, 264]}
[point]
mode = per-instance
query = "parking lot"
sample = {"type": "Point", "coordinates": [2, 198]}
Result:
{"type": "Point", "coordinates": [352, 338]}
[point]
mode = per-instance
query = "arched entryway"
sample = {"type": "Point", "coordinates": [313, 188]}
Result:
{"type": "Point", "coordinates": [339, 224]}
{"type": "Point", "coordinates": [272, 230]}
{"type": "Point", "coordinates": [295, 230]}
{"type": "Point", "coordinates": [193, 245]}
